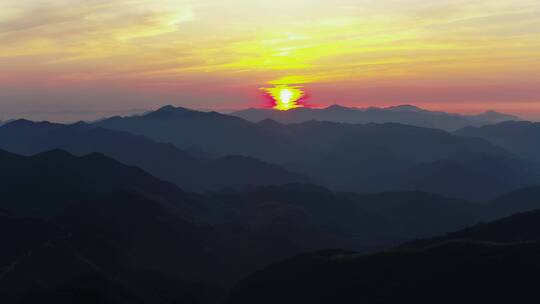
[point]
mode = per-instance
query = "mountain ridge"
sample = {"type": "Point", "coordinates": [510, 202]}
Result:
{"type": "Point", "coordinates": [408, 114]}
{"type": "Point", "coordinates": [346, 157]}
{"type": "Point", "coordinates": [165, 161]}
{"type": "Point", "coordinates": [519, 137]}
{"type": "Point", "coordinates": [493, 262]}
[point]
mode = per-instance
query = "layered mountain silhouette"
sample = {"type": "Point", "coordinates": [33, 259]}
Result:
{"type": "Point", "coordinates": [419, 214]}
{"type": "Point", "coordinates": [97, 229]}
{"type": "Point", "coordinates": [215, 133]}
{"type": "Point", "coordinates": [494, 262]}
{"type": "Point", "coordinates": [520, 227]}
{"type": "Point", "coordinates": [451, 272]}
{"type": "Point", "coordinates": [519, 137]}
{"type": "Point", "coordinates": [405, 114]}
{"type": "Point", "coordinates": [165, 161]}
{"type": "Point", "coordinates": [89, 228]}
{"type": "Point", "coordinates": [350, 157]}
{"type": "Point", "coordinates": [122, 248]}
{"type": "Point", "coordinates": [520, 200]}
{"type": "Point", "coordinates": [45, 184]}
{"type": "Point", "coordinates": [103, 213]}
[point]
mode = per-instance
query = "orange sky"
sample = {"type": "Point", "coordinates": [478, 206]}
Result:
{"type": "Point", "coordinates": [93, 55]}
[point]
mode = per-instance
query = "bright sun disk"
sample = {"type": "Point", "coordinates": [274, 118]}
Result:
{"type": "Point", "coordinates": [285, 97]}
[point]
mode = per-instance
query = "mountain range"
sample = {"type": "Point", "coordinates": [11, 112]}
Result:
{"type": "Point", "coordinates": [494, 262]}
{"type": "Point", "coordinates": [343, 157]}
{"type": "Point", "coordinates": [405, 114]}
{"type": "Point", "coordinates": [519, 137]}
{"type": "Point", "coordinates": [165, 161]}
{"type": "Point", "coordinates": [346, 157]}
{"type": "Point", "coordinates": [213, 133]}
{"type": "Point", "coordinates": [182, 206]}
{"type": "Point", "coordinates": [90, 227]}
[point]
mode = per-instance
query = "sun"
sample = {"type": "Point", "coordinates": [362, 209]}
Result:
{"type": "Point", "coordinates": [285, 97]}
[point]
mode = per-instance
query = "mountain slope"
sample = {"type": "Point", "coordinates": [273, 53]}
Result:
{"type": "Point", "coordinates": [455, 272]}
{"type": "Point", "coordinates": [116, 225]}
{"type": "Point", "coordinates": [494, 262]}
{"type": "Point", "coordinates": [209, 131]}
{"type": "Point", "coordinates": [476, 177]}
{"type": "Point", "coordinates": [393, 157]}
{"type": "Point", "coordinates": [520, 227]}
{"type": "Point", "coordinates": [420, 214]}
{"type": "Point", "coordinates": [94, 257]}
{"type": "Point", "coordinates": [521, 200]}
{"type": "Point", "coordinates": [162, 160]}
{"type": "Point", "coordinates": [112, 232]}
{"type": "Point", "coordinates": [345, 157]}
{"type": "Point", "coordinates": [46, 183]}
{"type": "Point", "coordinates": [519, 137]}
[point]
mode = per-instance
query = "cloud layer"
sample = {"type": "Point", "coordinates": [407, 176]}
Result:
{"type": "Point", "coordinates": [210, 53]}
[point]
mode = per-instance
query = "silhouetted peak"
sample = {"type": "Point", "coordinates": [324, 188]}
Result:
{"type": "Point", "coordinates": [337, 107]}
{"type": "Point", "coordinates": [497, 116]}
{"type": "Point", "coordinates": [170, 111]}
{"type": "Point", "coordinates": [405, 108]}
{"type": "Point", "coordinates": [167, 108]}
{"type": "Point", "coordinates": [80, 124]}
{"type": "Point", "coordinates": [22, 123]}
{"type": "Point", "coordinates": [251, 109]}
{"type": "Point", "coordinates": [268, 122]}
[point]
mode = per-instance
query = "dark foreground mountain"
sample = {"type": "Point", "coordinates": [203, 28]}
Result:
{"type": "Point", "coordinates": [122, 249]}
{"type": "Point", "coordinates": [489, 263]}
{"type": "Point", "coordinates": [347, 157]}
{"type": "Point", "coordinates": [520, 200]}
{"type": "Point", "coordinates": [45, 184]}
{"type": "Point", "coordinates": [405, 114]}
{"type": "Point", "coordinates": [520, 227]}
{"type": "Point", "coordinates": [455, 272]}
{"type": "Point", "coordinates": [79, 228]}
{"type": "Point", "coordinates": [309, 217]}
{"type": "Point", "coordinates": [319, 218]}
{"type": "Point", "coordinates": [165, 161]}
{"type": "Point", "coordinates": [519, 137]}
{"type": "Point", "coordinates": [90, 228]}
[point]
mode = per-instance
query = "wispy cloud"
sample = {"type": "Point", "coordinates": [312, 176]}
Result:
{"type": "Point", "coordinates": [183, 42]}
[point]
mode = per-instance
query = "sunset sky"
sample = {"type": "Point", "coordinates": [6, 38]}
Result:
{"type": "Point", "coordinates": [115, 55]}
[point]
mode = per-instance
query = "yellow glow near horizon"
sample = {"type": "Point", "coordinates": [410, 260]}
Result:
{"type": "Point", "coordinates": [285, 97]}
{"type": "Point", "coordinates": [183, 47]}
